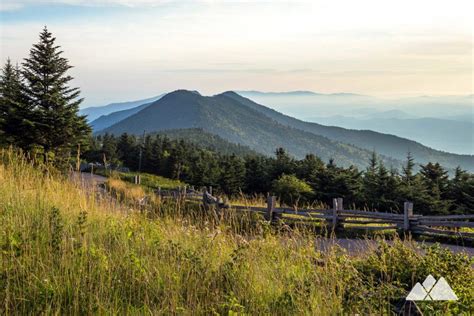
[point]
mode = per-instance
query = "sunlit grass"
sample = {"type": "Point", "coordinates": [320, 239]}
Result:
{"type": "Point", "coordinates": [149, 181]}
{"type": "Point", "coordinates": [70, 251]}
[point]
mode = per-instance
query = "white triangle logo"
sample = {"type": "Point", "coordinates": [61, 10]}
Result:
{"type": "Point", "coordinates": [432, 291]}
{"type": "Point", "coordinates": [417, 293]}
{"type": "Point", "coordinates": [442, 291]}
{"type": "Point", "coordinates": [429, 282]}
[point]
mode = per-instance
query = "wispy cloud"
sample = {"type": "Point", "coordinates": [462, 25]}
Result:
{"type": "Point", "coordinates": [144, 47]}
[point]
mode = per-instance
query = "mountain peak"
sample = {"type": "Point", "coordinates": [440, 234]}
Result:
{"type": "Point", "coordinates": [229, 93]}
{"type": "Point", "coordinates": [183, 92]}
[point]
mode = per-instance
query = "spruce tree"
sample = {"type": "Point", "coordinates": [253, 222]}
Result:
{"type": "Point", "coordinates": [435, 179]}
{"type": "Point", "coordinates": [461, 192]}
{"type": "Point", "coordinates": [435, 176]}
{"type": "Point", "coordinates": [283, 164]}
{"type": "Point", "coordinates": [109, 148]}
{"type": "Point", "coordinates": [257, 174]}
{"type": "Point", "coordinates": [232, 174]}
{"type": "Point", "coordinates": [371, 182]}
{"type": "Point", "coordinates": [16, 126]}
{"type": "Point", "coordinates": [309, 168]}
{"type": "Point", "coordinates": [56, 105]}
{"type": "Point", "coordinates": [407, 170]}
{"type": "Point", "coordinates": [348, 184]}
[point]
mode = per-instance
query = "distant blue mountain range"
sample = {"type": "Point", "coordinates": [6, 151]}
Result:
{"type": "Point", "coordinates": [241, 120]}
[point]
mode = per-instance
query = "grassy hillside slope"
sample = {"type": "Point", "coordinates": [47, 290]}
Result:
{"type": "Point", "coordinates": [66, 251]}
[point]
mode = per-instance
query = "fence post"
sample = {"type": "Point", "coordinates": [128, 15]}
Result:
{"type": "Point", "coordinates": [210, 189]}
{"type": "Point", "coordinates": [335, 207]}
{"type": "Point", "coordinates": [407, 213]}
{"type": "Point", "coordinates": [270, 207]}
{"type": "Point", "coordinates": [137, 179]}
{"type": "Point", "coordinates": [340, 208]}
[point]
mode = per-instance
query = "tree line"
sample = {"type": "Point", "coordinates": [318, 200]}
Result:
{"type": "Point", "coordinates": [378, 187]}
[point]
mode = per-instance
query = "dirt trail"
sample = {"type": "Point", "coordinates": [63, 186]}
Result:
{"type": "Point", "coordinates": [88, 180]}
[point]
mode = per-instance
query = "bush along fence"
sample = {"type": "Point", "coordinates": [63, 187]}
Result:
{"type": "Point", "coordinates": [338, 218]}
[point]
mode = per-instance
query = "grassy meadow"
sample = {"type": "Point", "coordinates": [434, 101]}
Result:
{"type": "Point", "coordinates": [67, 250]}
{"type": "Point", "coordinates": [149, 181]}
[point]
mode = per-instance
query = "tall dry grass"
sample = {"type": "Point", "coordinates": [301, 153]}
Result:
{"type": "Point", "coordinates": [69, 251]}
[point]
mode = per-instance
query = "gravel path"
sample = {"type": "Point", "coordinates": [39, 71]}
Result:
{"type": "Point", "coordinates": [87, 179]}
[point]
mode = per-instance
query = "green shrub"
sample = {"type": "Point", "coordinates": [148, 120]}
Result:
{"type": "Point", "coordinates": [291, 190]}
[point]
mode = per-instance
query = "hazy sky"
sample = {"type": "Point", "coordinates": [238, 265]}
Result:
{"type": "Point", "coordinates": [125, 49]}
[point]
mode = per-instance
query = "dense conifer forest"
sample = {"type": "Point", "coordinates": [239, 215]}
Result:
{"type": "Point", "coordinates": [378, 187]}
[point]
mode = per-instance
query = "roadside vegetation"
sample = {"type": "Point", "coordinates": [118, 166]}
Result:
{"type": "Point", "coordinates": [66, 251]}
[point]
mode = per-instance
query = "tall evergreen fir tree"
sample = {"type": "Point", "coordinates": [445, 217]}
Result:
{"type": "Point", "coordinates": [16, 126]}
{"type": "Point", "coordinates": [325, 186]}
{"type": "Point", "coordinates": [232, 174]}
{"type": "Point", "coordinates": [435, 179]}
{"type": "Point", "coordinates": [56, 105]}
{"type": "Point", "coordinates": [461, 192]}
{"type": "Point", "coordinates": [408, 170]}
{"type": "Point", "coordinates": [349, 185]}
{"type": "Point", "coordinates": [386, 189]}
{"type": "Point", "coordinates": [283, 164]}
{"type": "Point", "coordinates": [371, 183]}
{"type": "Point", "coordinates": [127, 151]}
{"type": "Point", "coordinates": [109, 148]}
{"type": "Point", "coordinates": [257, 175]}
{"type": "Point", "coordinates": [309, 168]}
{"type": "Point", "coordinates": [204, 169]}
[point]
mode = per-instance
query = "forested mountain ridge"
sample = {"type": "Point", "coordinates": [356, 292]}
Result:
{"type": "Point", "coordinates": [209, 141]}
{"type": "Point", "coordinates": [385, 144]}
{"type": "Point", "coordinates": [238, 123]}
{"type": "Point", "coordinates": [240, 120]}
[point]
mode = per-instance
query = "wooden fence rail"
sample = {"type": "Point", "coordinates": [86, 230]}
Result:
{"type": "Point", "coordinates": [338, 218]}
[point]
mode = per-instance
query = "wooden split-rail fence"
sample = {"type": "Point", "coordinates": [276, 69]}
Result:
{"type": "Point", "coordinates": [338, 218]}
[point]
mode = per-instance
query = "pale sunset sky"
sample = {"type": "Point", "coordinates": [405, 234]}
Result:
{"type": "Point", "coordinates": [126, 50]}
